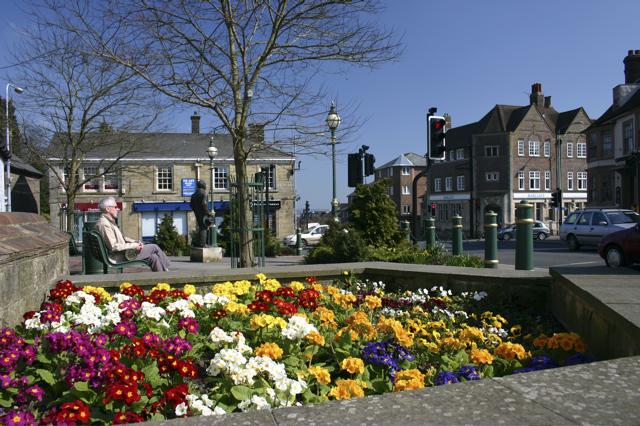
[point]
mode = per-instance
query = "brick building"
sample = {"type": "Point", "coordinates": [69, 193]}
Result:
{"type": "Point", "coordinates": [510, 155]}
{"type": "Point", "coordinates": [613, 153]}
{"type": "Point", "coordinates": [158, 178]}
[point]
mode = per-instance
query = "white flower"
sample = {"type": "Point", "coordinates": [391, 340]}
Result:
{"type": "Point", "coordinates": [79, 297]}
{"type": "Point", "coordinates": [219, 336]}
{"type": "Point", "coordinates": [297, 328]}
{"type": "Point", "coordinates": [181, 409]}
{"type": "Point", "coordinates": [211, 300]}
{"type": "Point", "coordinates": [152, 311]}
{"type": "Point", "coordinates": [479, 296]}
{"type": "Point", "coordinates": [196, 299]}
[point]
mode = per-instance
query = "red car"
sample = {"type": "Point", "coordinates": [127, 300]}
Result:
{"type": "Point", "coordinates": [621, 247]}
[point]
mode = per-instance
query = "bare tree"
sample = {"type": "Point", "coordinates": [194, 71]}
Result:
{"type": "Point", "coordinates": [248, 61]}
{"type": "Point", "coordinates": [76, 103]}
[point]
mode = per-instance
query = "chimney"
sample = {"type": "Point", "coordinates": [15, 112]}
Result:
{"type": "Point", "coordinates": [195, 123]}
{"type": "Point", "coordinates": [536, 97]}
{"type": "Point", "coordinates": [547, 101]}
{"type": "Point", "coordinates": [256, 132]}
{"type": "Point", "coordinates": [447, 119]}
{"type": "Point", "coordinates": [632, 67]}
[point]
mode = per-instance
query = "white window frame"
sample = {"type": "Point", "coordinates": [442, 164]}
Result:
{"type": "Point", "coordinates": [391, 191]}
{"type": "Point", "coordinates": [390, 172]}
{"type": "Point", "coordinates": [405, 190]}
{"type": "Point", "coordinates": [460, 154]}
{"type": "Point", "coordinates": [534, 180]}
{"type": "Point", "coordinates": [406, 209]}
{"type": "Point", "coordinates": [521, 180]}
{"type": "Point", "coordinates": [271, 175]}
{"type": "Point", "coordinates": [437, 185]}
{"type": "Point", "coordinates": [405, 171]}
{"type": "Point", "coordinates": [221, 177]}
{"type": "Point", "coordinates": [93, 170]}
{"type": "Point", "coordinates": [581, 150]}
{"type": "Point", "coordinates": [452, 155]}
{"type": "Point", "coordinates": [569, 181]}
{"type": "Point", "coordinates": [115, 175]}
{"type": "Point", "coordinates": [520, 147]}
{"type": "Point", "coordinates": [534, 149]}
{"type": "Point", "coordinates": [492, 176]}
{"type": "Point", "coordinates": [167, 170]}
{"type": "Point", "coordinates": [547, 180]}
{"type": "Point", "coordinates": [448, 183]}
{"type": "Point", "coordinates": [460, 183]}
{"type": "Point", "coordinates": [628, 142]}
{"type": "Point", "coordinates": [547, 148]}
{"type": "Point", "coordinates": [491, 151]}
{"type": "Point", "coordinates": [582, 181]}
{"type": "Point", "coordinates": [569, 149]}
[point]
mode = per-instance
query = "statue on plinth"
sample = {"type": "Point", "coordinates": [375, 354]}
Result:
{"type": "Point", "coordinates": [200, 208]}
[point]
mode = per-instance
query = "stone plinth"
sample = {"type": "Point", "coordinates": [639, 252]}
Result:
{"type": "Point", "coordinates": [206, 254]}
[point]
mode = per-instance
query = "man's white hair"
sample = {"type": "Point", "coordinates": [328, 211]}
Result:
{"type": "Point", "coordinates": [105, 201]}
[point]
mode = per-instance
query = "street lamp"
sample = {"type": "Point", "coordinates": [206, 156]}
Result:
{"type": "Point", "coordinates": [5, 180]}
{"type": "Point", "coordinates": [333, 121]}
{"type": "Point", "coordinates": [212, 151]}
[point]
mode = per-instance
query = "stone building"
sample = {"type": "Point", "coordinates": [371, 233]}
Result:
{"type": "Point", "coordinates": [25, 186]}
{"type": "Point", "coordinates": [158, 178]}
{"type": "Point", "coordinates": [510, 155]}
{"type": "Point", "coordinates": [613, 151]}
{"type": "Point", "coordinates": [401, 172]}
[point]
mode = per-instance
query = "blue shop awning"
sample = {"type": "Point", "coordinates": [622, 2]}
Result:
{"type": "Point", "coordinates": [174, 206]}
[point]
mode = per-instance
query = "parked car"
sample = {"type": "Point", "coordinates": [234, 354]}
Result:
{"type": "Point", "coordinates": [540, 231]}
{"type": "Point", "coordinates": [588, 226]}
{"type": "Point", "coordinates": [621, 247]}
{"type": "Point", "coordinates": [309, 237]}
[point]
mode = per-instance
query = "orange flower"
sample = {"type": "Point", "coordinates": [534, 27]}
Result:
{"type": "Point", "coordinates": [346, 389]}
{"type": "Point", "coordinates": [509, 351]}
{"type": "Point", "coordinates": [321, 374]}
{"type": "Point", "coordinates": [315, 338]}
{"type": "Point", "coordinates": [409, 380]}
{"type": "Point", "coordinates": [352, 365]}
{"type": "Point", "coordinates": [481, 356]}
{"type": "Point", "coordinates": [271, 350]}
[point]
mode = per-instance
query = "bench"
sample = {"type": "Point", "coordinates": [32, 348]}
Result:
{"type": "Point", "coordinates": [98, 249]}
{"type": "Point", "coordinates": [73, 247]}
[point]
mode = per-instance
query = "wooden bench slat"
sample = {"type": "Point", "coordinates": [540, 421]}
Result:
{"type": "Point", "coordinates": [98, 249]}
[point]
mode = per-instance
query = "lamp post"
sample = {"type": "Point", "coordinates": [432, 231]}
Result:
{"type": "Point", "coordinates": [212, 151]}
{"type": "Point", "coordinates": [5, 180]}
{"type": "Point", "coordinates": [333, 121]}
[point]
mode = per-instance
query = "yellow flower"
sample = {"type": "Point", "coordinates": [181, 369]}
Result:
{"type": "Point", "coordinates": [346, 389]}
{"type": "Point", "coordinates": [470, 334]}
{"type": "Point", "coordinates": [389, 325]}
{"type": "Point", "coordinates": [189, 289]}
{"type": "Point", "coordinates": [296, 286]}
{"type": "Point", "coordinates": [237, 308]}
{"type": "Point", "coordinates": [332, 290]}
{"type": "Point", "coordinates": [509, 351]}
{"type": "Point", "coordinates": [408, 380]}
{"type": "Point", "coordinates": [125, 286]}
{"type": "Point", "coordinates": [162, 286]}
{"type": "Point", "coordinates": [261, 277]}
{"type": "Point", "coordinates": [481, 356]}
{"type": "Point", "coordinates": [321, 374]}
{"type": "Point", "coordinates": [516, 331]}
{"type": "Point", "coordinates": [271, 284]}
{"type": "Point", "coordinates": [326, 316]}
{"type": "Point", "coordinates": [98, 291]}
{"type": "Point", "coordinates": [268, 321]}
{"type": "Point", "coordinates": [271, 350]}
{"type": "Point", "coordinates": [345, 300]}
{"type": "Point", "coordinates": [372, 302]}
{"type": "Point", "coordinates": [315, 338]}
{"type": "Point", "coordinates": [352, 365]}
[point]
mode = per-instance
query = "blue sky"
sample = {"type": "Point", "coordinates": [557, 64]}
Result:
{"type": "Point", "coordinates": [462, 56]}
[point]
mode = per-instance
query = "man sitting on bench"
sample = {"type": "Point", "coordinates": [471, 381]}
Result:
{"type": "Point", "coordinates": [118, 245]}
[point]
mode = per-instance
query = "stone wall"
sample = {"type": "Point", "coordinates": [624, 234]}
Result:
{"type": "Point", "coordinates": [33, 255]}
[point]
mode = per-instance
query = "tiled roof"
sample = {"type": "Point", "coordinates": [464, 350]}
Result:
{"type": "Point", "coordinates": [166, 146]}
{"type": "Point", "coordinates": [408, 159]}
{"type": "Point", "coordinates": [19, 166]}
{"type": "Point", "coordinates": [613, 112]}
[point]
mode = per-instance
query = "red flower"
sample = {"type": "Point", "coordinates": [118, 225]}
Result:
{"type": "Point", "coordinates": [286, 292]}
{"type": "Point", "coordinates": [28, 315]}
{"type": "Point", "coordinates": [285, 308]}
{"type": "Point", "coordinates": [133, 291]}
{"type": "Point", "coordinates": [187, 369]}
{"type": "Point", "coordinates": [219, 313]}
{"type": "Point", "coordinates": [178, 294]}
{"type": "Point", "coordinates": [264, 295]}
{"type": "Point", "coordinates": [73, 412]}
{"type": "Point", "coordinates": [311, 280]}
{"type": "Point", "coordinates": [258, 306]}
{"type": "Point", "coordinates": [308, 298]}
{"type": "Point", "coordinates": [177, 394]}
{"type": "Point", "coordinates": [127, 417]}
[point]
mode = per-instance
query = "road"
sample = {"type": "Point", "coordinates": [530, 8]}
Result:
{"type": "Point", "coordinates": [550, 252]}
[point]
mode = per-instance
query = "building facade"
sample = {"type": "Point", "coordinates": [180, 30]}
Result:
{"type": "Point", "coordinates": [513, 153]}
{"type": "Point", "coordinates": [613, 153]}
{"type": "Point", "coordinates": [159, 178]}
{"type": "Point", "coordinates": [405, 193]}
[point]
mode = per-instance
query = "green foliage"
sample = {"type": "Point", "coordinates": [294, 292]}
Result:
{"type": "Point", "coordinates": [167, 237]}
{"type": "Point", "coordinates": [431, 256]}
{"type": "Point", "coordinates": [272, 246]}
{"type": "Point", "coordinates": [373, 214]}
{"type": "Point", "coordinates": [339, 244]}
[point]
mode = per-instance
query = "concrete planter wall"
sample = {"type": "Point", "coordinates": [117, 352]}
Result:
{"type": "Point", "coordinates": [33, 254]}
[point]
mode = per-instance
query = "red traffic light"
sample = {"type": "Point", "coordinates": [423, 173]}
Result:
{"type": "Point", "coordinates": [433, 206]}
{"type": "Point", "coordinates": [437, 125]}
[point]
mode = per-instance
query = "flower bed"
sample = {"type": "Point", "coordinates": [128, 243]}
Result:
{"type": "Point", "coordinates": [93, 357]}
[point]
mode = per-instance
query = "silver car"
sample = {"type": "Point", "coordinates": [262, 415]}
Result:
{"type": "Point", "coordinates": [588, 226]}
{"type": "Point", "coordinates": [540, 231]}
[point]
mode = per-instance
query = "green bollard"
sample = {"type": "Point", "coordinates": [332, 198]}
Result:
{"type": "Point", "coordinates": [90, 265]}
{"type": "Point", "coordinates": [491, 240]}
{"type": "Point", "coordinates": [430, 231]}
{"type": "Point", "coordinates": [405, 226]}
{"type": "Point", "coordinates": [298, 242]}
{"type": "Point", "coordinates": [524, 236]}
{"type": "Point", "coordinates": [456, 235]}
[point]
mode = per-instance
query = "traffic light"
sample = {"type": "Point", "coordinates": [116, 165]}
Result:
{"type": "Point", "coordinates": [437, 130]}
{"type": "Point", "coordinates": [354, 170]}
{"type": "Point", "coordinates": [433, 209]}
{"type": "Point", "coordinates": [4, 153]}
{"type": "Point", "coordinates": [369, 161]}
{"type": "Point", "coordinates": [556, 198]}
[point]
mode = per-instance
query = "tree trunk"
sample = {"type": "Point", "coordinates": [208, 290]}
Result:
{"type": "Point", "coordinates": [245, 217]}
